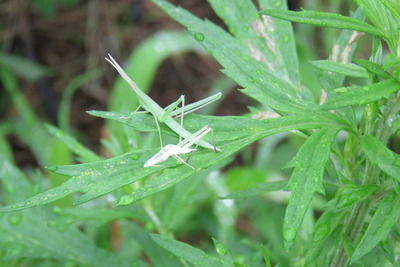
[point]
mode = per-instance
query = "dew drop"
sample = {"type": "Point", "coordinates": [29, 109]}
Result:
{"type": "Point", "coordinates": [220, 248]}
{"type": "Point", "coordinates": [278, 4]}
{"type": "Point", "coordinates": [62, 227]}
{"type": "Point", "coordinates": [15, 218]}
{"type": "Point", "coordinates": [51, 223]}
{"type": "Point", "coordinates": [56, 209]}
{"type": "Point", "coordinates": [286, 38]}
{"type": "Point", "coordinates": [65, 191]}
{"type": "Point", "coordinates": [27, 203]}
{"type": "Point", "coordinates": [135, 157]}
{"type": "Point", "coordinates": [125, 200]}
{"type": "Point", "coordinates": [52, 168]}
{"type": "Point", "coordinates": [199, 36]}
{"type": "Point", "coordinates": [289, 234]}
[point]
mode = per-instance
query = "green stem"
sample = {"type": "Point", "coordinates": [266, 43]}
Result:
{"type": "Point", "coordinates": [354, 225]}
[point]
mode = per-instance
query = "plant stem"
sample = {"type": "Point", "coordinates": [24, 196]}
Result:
{"type": "Point", "coordinates": [354, 225]}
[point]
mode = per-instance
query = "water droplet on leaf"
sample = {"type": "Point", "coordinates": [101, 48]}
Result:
{"type": "Point", "coordinates": [62, 227]}
{"type": "Point", "coordinates": [51, 223]}
{"type": "Point", "coordinates": [125, 200]}
{"type": "Point", "coordinates": [135, 157]}
{"type": "Point", "coordinates": [52, 168]}
{"type": "Point", "coordinates": [286, 38]}
{"type": "Point", "coordinates": [289, 234]}
{"type": "Point", "coordinates": [199, 36]}
{"type": "Point", "coordinates": [220, 248]}
{"type": "Point", "coordinates": [278, 3]}
{"type": "Point", "coordinates": [57, 209]}
{"type": "Point", "coordinates": [15, 218]}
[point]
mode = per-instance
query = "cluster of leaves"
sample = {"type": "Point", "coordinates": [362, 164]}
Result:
{"type": "Point", "coordinates": [344, 157]}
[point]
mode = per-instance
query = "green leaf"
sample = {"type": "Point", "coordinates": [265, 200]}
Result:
{"type": "Point", "coordinates": [85, 154]}
{"type": "Point", "coordinates": [98, 178]}
{"type": "Point", "coordinates": [273, 38]}
{"type": "Point", "coordinates": [14, 183]}
{"type": "Point", "coordinates": [347, 69]}
{"type": "Point", "coordinates": [23, 67]}
{"type": "Point", "coordinates": [343, 51]}
{"type": "Point", "coordinates": [190, 254]}
{"type": "Point", "coordinates": [380, 155]}
{"type": "Point", "coordinates": [240, 65]}
{"type": "Point", "coordinates": [158, 255]}
{"type": "Point", "coordinates": [385, 217]}
{"type": "Point", "coordinates": [37, 234]}
{"type": "Point", "coordinates": [391, 61]}
{"type": "Point", "coordinates": [306, 178]}
{"type": "Point", "coordinates": [99, 216]}
{"type": "Point", "coordinates": [266, 257]}
{"type": "Point", "coordinates": [325, 227]}
{"type": "Point", "coordinates": [373, 68]}
{"type": "Point", "coordinates": [258, 190]}
{"type": "Point", "coordinates": [68, 93]}
{"type": "Point", "coordinates": [284, 36]}
{"type": "Point", "coordinates": [223, 252]}
{"type": "Point", "coordinates": [351, 194]}
{"type": "Point", "coordinates": [326, 20]}
{"type": "Point", "coordinates": [383, 20]}
{"type": "Point", "coordinates": [363, 95]}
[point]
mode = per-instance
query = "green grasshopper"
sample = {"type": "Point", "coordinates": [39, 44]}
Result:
{"type": "Point", "coordinates": [166, 115]}
{"type": "Point", "coordinates": [183, 147]}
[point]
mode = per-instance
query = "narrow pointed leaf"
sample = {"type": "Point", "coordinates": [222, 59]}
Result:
{"type": "Point", "coordinates": [239, 64]}
{"type": "Point", "coordinates": [363, 95]}
{"type": "Point", "coordinates": [98, 178]}
{"type": "Point", "coordinates": [348, 69]}
{"type": "Point", "coordinates": [380, 155]}
{"type": "Point", "coordinates": [194, 256]}
{"type": "Point", "coordinates": [307, 177]}
{"type": "Point", "coordinates": [273, 38]}
{"type": "Point", "coordinates": [85, 154]}
{"type": "Point", "coordinates": [372, 67]}
{"type": "Point", "coordinates": [383, 19]}
{"type": "Point", "coordinates": [258, 190]}
{"type": "Point", "coordinates": [322, 19]}
{"type": "Point", "coordinates": [385, 217]}
{"type": "Point", "coordinates": [40, 234]}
